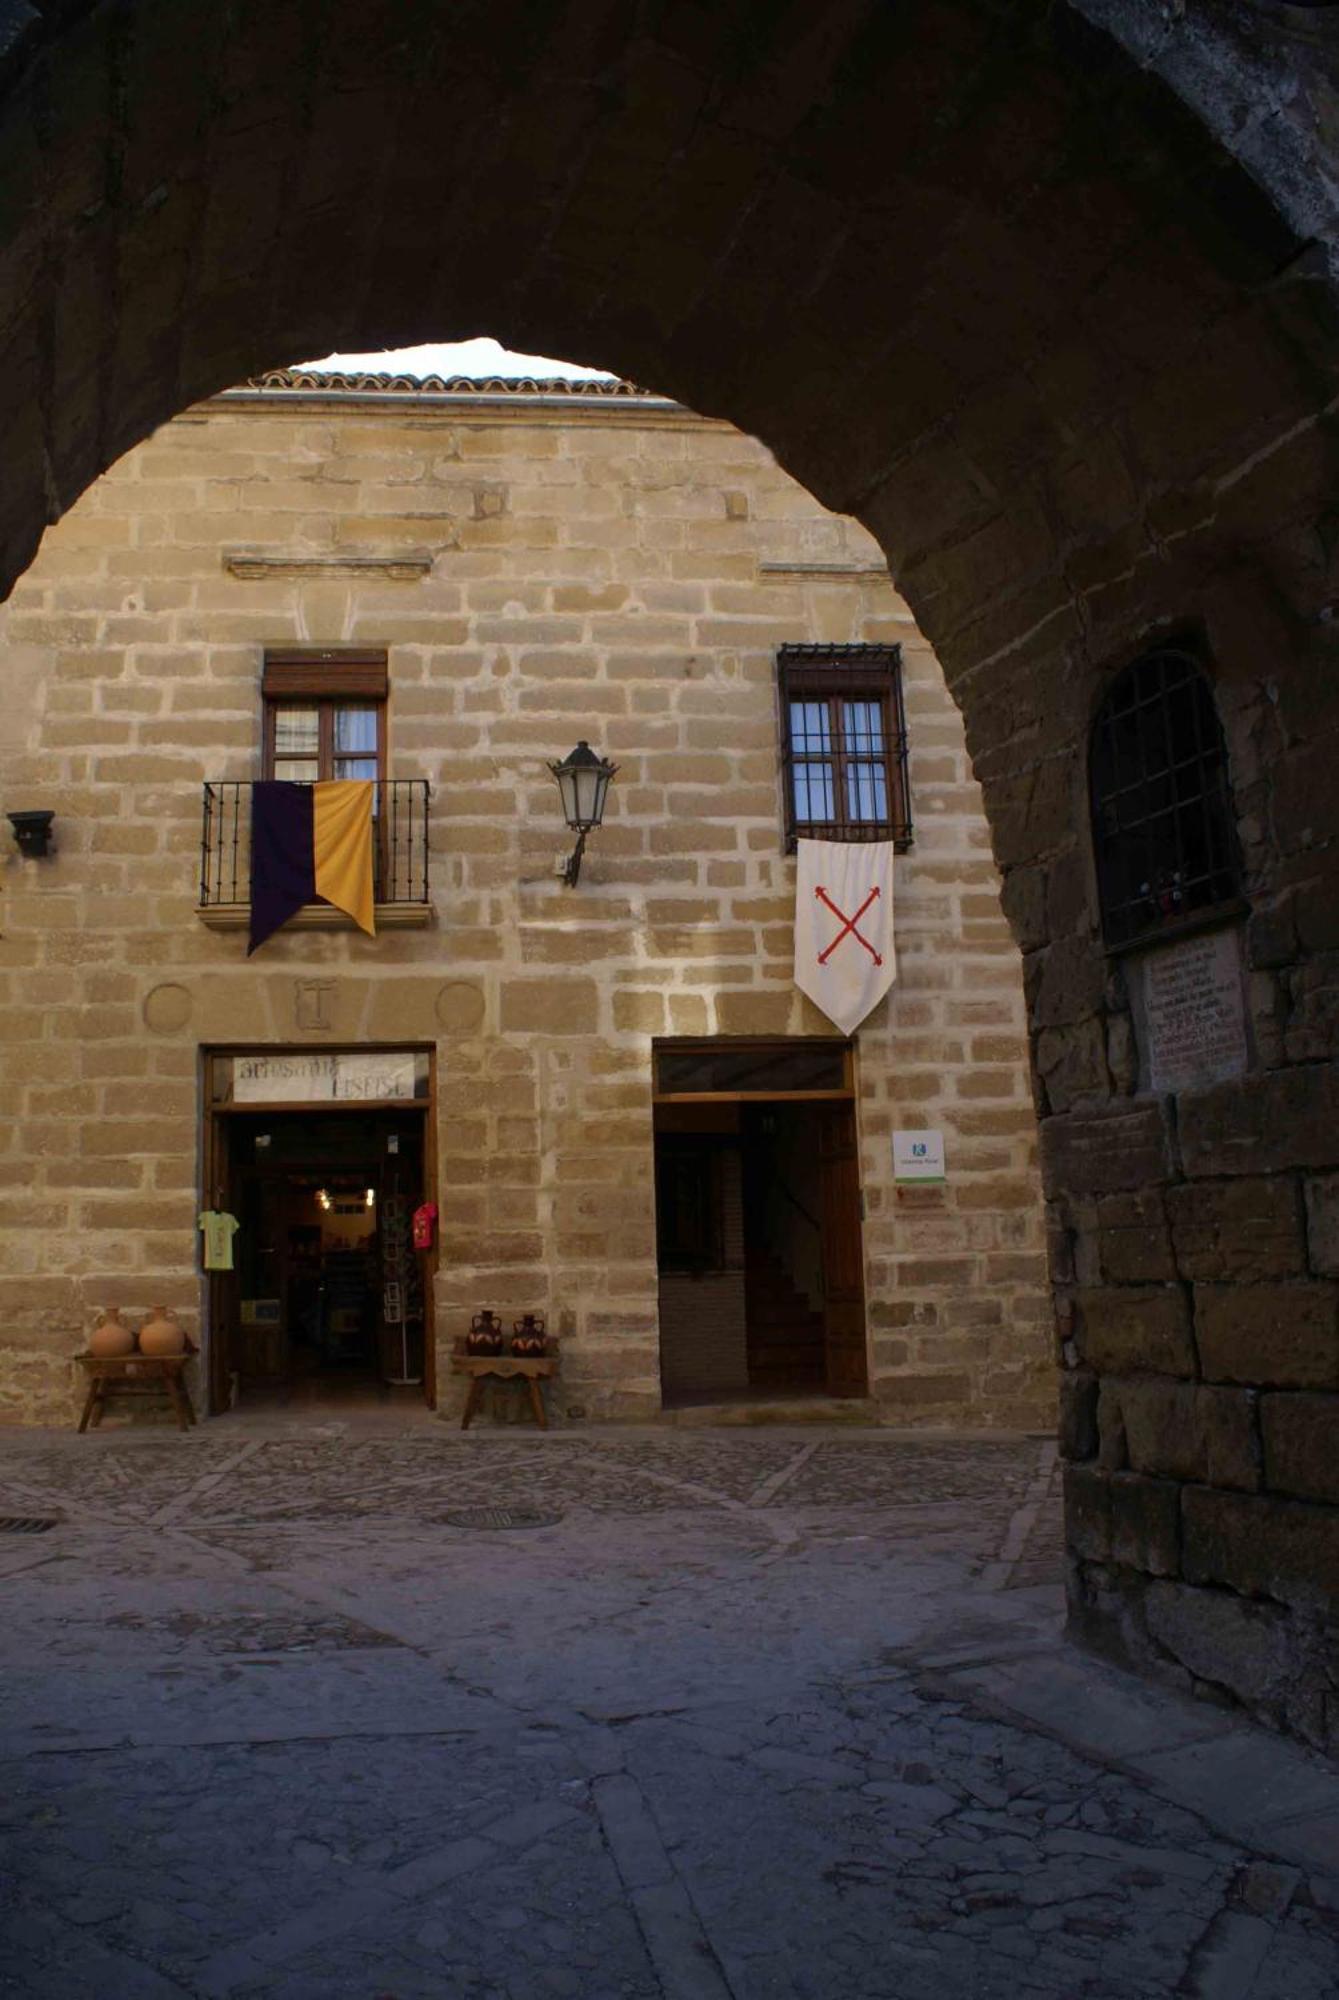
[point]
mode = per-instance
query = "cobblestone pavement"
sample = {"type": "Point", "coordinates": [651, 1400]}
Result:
{"type": "Point", "coordinates": [760, 1714]}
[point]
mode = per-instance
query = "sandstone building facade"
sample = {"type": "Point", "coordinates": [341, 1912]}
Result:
{"type": "Point", "coordinates": [444, 587]}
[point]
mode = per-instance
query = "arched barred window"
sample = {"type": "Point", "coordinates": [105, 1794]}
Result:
{"type": "Point", "coordinates": [1163, 828]}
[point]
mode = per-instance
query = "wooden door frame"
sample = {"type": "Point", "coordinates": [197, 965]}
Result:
{"type": "Point", "coordinates": [857, 1220]}
{"type": "Point", "coordinates": [428, 1258]}
{"type": "Point", "coordinates": [220, 1286]}
{"type": "Point", "coordinates": [216, 1176]}
{"type": "Point", "coordinates": [847, 1094]}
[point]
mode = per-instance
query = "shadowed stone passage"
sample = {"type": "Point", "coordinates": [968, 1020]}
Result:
{"type": "Point", "coordinates": [982, 280]}
{"type": "Point", "coordinates": [781, 1715]}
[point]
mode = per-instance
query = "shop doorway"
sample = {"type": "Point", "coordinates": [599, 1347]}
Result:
{"type": "Point", "coordinates": [328, 1301]}
{"type": "Point", "coordinates": [761, 1266]}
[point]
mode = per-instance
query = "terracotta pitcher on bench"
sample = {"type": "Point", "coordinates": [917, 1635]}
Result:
{"type": "Point", "coordinates": [111, 1336]}
{"type": "Point", "coordinates": [162, 1334]}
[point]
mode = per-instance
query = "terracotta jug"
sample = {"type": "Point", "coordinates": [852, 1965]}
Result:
{"type": "Point", "coordinates": [527, 1335]}
{"type": "Point", "coordinates": [485, 1335]}
{"type": "Point", "coordinates": [111, 1335]}
{"type": "Point", "coordinates": [162, 1334]}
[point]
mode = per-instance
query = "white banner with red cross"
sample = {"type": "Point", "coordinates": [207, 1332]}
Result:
{"type": "Point", "coordinates": [844, 957]}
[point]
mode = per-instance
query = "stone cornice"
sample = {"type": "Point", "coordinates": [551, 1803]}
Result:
{"type": "Point", "coordinates": [253, 566]}
{"type": "Point", "coordinates": [319, 917]}
{"type": "Point", "coordinates": [498, 399]}
{"type": "Point", "coordinates": [859, 570]}
{"type": "Point", "coordinates": [376, 382]}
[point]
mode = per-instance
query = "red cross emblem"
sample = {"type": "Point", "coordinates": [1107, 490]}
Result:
{"type": "Point", "coordinates": [848, 925]}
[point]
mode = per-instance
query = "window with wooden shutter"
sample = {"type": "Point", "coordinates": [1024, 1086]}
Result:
{"type": "Point", "coordinates": [844, 744]}
{"type": "Point", "coordinates": [325, 715]}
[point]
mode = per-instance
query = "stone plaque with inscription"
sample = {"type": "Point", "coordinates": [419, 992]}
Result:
{"type": "Point", "coordinates": [1194, 1017]}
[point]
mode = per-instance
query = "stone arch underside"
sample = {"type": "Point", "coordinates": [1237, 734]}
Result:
{"type": "Point", "coordinates": [981, 280]}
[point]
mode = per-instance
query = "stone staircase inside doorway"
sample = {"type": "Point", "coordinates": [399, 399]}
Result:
{"type": "Point", "coordinates": [785, 1334]}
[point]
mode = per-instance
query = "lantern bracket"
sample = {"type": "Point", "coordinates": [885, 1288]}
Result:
{"type": "Point", "coordinates": [571, 868]}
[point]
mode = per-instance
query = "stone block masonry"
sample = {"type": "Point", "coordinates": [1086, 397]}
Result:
{"type": "Point", "coordinates": [619, 570]}
{"type": "Point", "coordinates": [1201, 1395]}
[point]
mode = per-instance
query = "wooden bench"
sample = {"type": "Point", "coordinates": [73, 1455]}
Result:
{"type": "Point", "coordinates": [140, 1375]}
{"type": "Point", "coordinates": [531, 1368]}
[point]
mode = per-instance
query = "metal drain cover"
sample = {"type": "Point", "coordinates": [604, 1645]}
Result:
{"type": "Point", "coordinates": [502, 1517]}
{"type": "Point", "coordinates": [27, 1524]}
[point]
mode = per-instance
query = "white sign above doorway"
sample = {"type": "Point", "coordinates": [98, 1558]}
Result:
{"type": "Point", "coordinates": [324, 1076]}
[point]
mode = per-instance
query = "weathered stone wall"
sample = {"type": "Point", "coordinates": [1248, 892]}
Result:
{"type": "Point", "coordinates": [622, 571]}
{"type": "Point", "coordinates": [1193, 1236]}
{"type": "Point", "coordinates": [1061, 335]}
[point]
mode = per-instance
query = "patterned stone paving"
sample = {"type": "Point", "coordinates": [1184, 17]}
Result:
{"type": "Point", "coordinates": [733, 1466]}
{"type": "Point", "coordinates": [118, 1479]}
{"type": "Point", "coordinates": [905, 1472]}
{"type": "Point", "coordinates": [276, 1732]}
{"type": "Point", "coordinates": [325, 1479]}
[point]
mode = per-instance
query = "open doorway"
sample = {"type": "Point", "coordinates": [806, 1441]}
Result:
{"type": "Point", "coordinates": [758, 1223]}
{"type": "Point", "coordinates": [328, 1298]}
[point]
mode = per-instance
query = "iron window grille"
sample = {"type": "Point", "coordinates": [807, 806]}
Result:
{"type": "Point", "coordinates": [844, 744]}
{"type": "Point", "coordinates": [399, 844]}
{"type": "Point", "coordinates": [1164, 832]}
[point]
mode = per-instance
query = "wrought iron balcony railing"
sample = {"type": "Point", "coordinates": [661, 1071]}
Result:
{"type": "Point", "coordinates": [399, 846]}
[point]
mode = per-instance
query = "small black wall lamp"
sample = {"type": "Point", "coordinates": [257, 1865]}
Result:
{"type": "Point", "coordinates": [32, 831]}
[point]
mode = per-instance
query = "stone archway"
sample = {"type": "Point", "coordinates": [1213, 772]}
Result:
{"type": "Point", "coordinates": [984, 280]}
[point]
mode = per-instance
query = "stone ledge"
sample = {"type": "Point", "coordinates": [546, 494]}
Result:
{"type": "Point", "coordinates": [253, 568]}
{"type": "Point", "coordinates": [319, 917]}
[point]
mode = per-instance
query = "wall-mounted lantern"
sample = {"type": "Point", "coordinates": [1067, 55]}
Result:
{"type": "Point", "coordinates": [583, 781]}
{"type": "Point", "coordinates": [32, 831]}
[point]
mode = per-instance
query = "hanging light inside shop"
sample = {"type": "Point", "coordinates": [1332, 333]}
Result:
{"type": "Point", "coordinates": [371, 1198]}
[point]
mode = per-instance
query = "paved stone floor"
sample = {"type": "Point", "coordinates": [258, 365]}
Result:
{"type": "Point", "coordinates": [762, 1713]}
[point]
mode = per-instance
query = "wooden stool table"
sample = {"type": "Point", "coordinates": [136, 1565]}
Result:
{"type": "Point", "coordinates": [532, 1368]}
{"type": "Point", "coordinates": [140, 1373]}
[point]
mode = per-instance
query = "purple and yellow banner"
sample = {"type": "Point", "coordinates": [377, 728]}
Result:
{"type": "Point", "coordinates": [309, 841]}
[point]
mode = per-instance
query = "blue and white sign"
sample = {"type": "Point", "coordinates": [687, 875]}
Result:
{"type": "Point", "coordinates": [918, 1156]}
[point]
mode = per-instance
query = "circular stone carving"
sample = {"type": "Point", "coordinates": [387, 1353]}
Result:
{"type": "Point", "coordinates": [167, 1008]}
{"type": "Point", "coordinates": [460, 1006]}
{"type": "Point", "coordinates": [502, 1517]}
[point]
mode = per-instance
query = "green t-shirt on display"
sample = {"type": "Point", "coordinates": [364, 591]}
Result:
{"type": "Point", "coordinates": [219, 1229]}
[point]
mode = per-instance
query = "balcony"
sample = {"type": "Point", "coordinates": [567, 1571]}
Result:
{"type": "Point", "coordinates": [399, 860]}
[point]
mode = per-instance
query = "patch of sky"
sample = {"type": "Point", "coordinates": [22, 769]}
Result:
{"type": "Point", "coordinates": [475, 358]}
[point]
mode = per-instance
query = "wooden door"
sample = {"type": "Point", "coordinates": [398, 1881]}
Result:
{"type": "Point", "coordinates": [221, 1291]}
{"type": "Point", "coordinates": [843, 1251]}
{"type": "Point", "coordinates": [426, 1154]}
